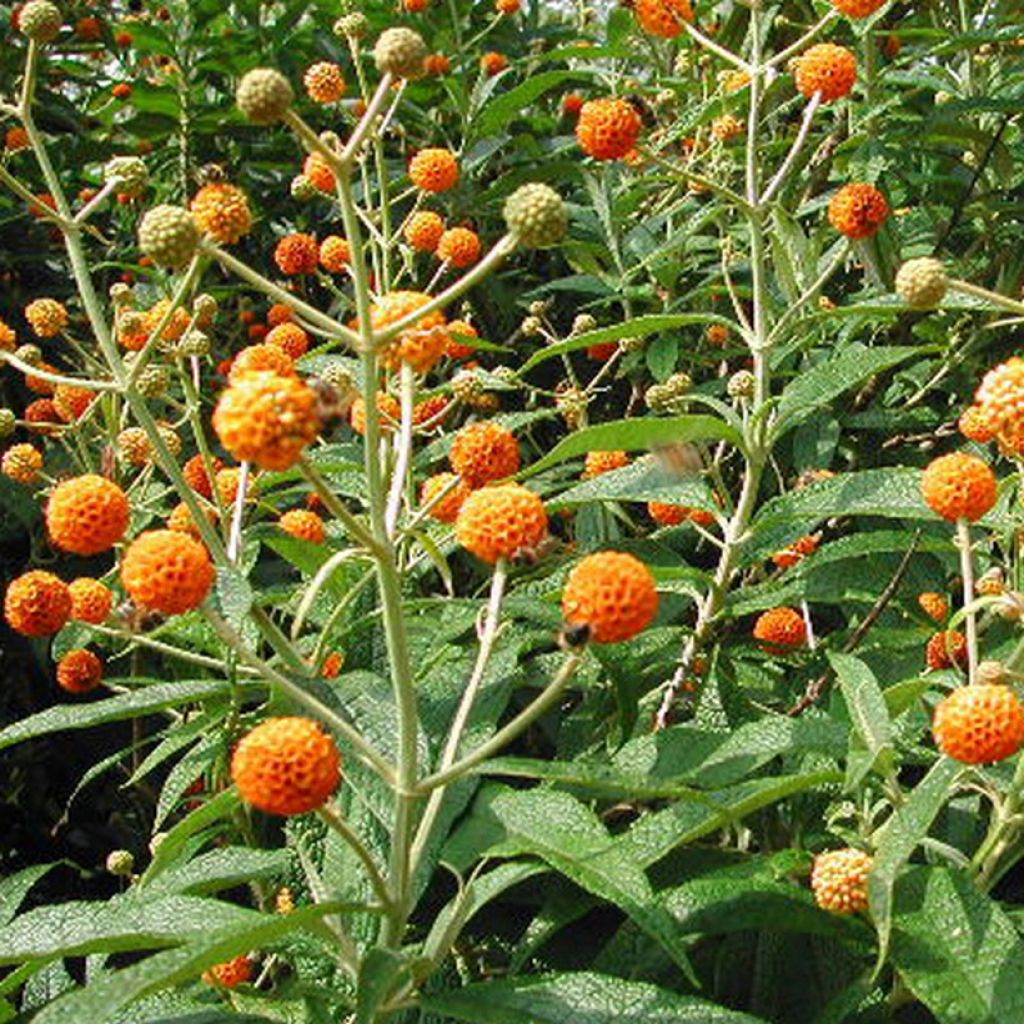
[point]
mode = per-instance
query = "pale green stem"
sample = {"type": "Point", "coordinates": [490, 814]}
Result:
{"type": "Point", "coordinates": [965, 288]}
{"type": "Point", "coordinates": [963, 540]}
{"type": "Point", "coordinates": [358, 847]}
{"type": "Point", "coordinates": [404, 453]}
{"type": "Point", "coordinates": [58, 378]}
{"type": "Point", "coordinates": [333, 505]}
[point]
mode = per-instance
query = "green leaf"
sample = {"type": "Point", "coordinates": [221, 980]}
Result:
{"type": "Point", "coordinates": [14, 889]}
{"type": "Point", "coordinates": [897, 840]}
{"type": "Point", "coordinates": [870, 715]}
{"type": "Point", "coordinates": [635, 435]}
{"type": "Point", "coordinates": [820, 384]}
{"type": "Point", "coordinates": [379, 974]}
{"type": "Point", "coordinates": [571, 998]}
{"type": "Point", "coordinates": [638, 328]}
{"type": "Point", "coordinates": [646, 479]}
{"type": "Point", "coordinates": [956, 950]}
{"type": "Point", "coordinates": [499, 111]}
{"type": "Point", "coordinates": [222, 805]}
{"type": "Point", "coordinates": [152, 695]}
{"type": "Point", "coordinates": [220, 869]}
{"type": "Point", "coordinates": [234, 595]}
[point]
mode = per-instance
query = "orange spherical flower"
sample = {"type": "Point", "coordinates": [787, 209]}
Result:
{"type": "Point", "coordinates": [415, 6]}
{"type": "Point", "coordinates": [663, 18]}
{"type": "Point", "coordinates": [947, 649]}
{"type": "Point", "coordinates": [501, 522]}
{"type": "Point", "coordinates": [41, 416]}
{"type": "Point", "coordinates": [459, 246]}
{"type": "Point", "coordinates": [231, 973]}
{"type": "Point", "coordinates": [611, 593]}
{"type": "Point", "coordinates": [196, 476]}
{"type": "Point", "coordinates": [22, 463]}
{"type": "Point", "coordinates": [221, 211]}
{"type": "Point", "coordinates": [857, 8]}
{"type": "Point", "coordinates": [180, 520]}
{"type": "Point", "coordinates": [324, 82]}
{"type": "Point", "coordinates": [286, 766]}
{"type": "Point", "coordinates": [297, 254]}
{"type": "Point", "coordinates": [46, 317]}
{"type": "Point", "coordinates": [602, 351]}
{"type": "Point", "coordinates": [91, 601]}
{"type": "Point", "coordinates": [935, 606]}
{"type": "Point", "coordinates": [979, 724]}
{"type": "Point", "coordinates": [335, 254]}
{"type": "Point", "coordinates": [780, 628]}
{"type": "Point", "coordinates": [263, 358]}
{"type": "Point", "coordinates": [667, 515]}
{"type": "Point", "coordinates": [176, 326]}
{"type": "Point", "coordinates": [430, 409]}
{"type": "Point", "coordinates": [279, 313]}
{"type": "Point", "coordinates": [71, 401]}
{"type": "Point", "coordinates": [226, 483]}
{"type": "Point", "coordinates": [975, 425]}
{"type": "Point", "coordinates": [45, 203]}
{"type": "Point", "coordinates": [797, 551]}
{"type": "Point", "coordinates": [332, 665]}
{"type": "Point", "coordinates": [858, 210]}
{"type": "Point", "coordinates": [736, 80]}
{"type": "Point", "coordinates": [424, 230]}
{"type": "Point", "coordinates": [596, 463]}
{"type": "Point", "coordinates": [37, 604]}
{"type": "Point", "coordinates": [607, 129]}
{"type": "Point", "coordinates": [493, 63]}
{"type": "Point", "coordinates": [388, 408]}
{"type": "Point", "coordinates": [436, 64]}
{"type": "Point", "coordinates": [828, 69]}
{"type": "Point", "coordinates": [485, 451]}
{"type": "Point", "coordinates": [121, 91]}
{"type": "Point", "coordinates": [1001, 398]}
{"type": "Point", "coordinates": [456, 348]}
{"type": "Point", "coordinates": [319, 172]}
{"type": "Point", "coordinates": [434, 170]}
{"type": "Point", "coordinates": [167, 571]}
{"type": "Point", "coordinates": [8, 338]}
{"type": "Point", "coordinates": [839, 880]}
{"type": "Point", "coordinates": [572, 104]}
{"type": "Point", "coordinates": [305, 525]}
{"type": "Point", "coordinates": [267, 419]}
{"type": "Point", "coordinates": [453, 491]}
{"type": "Point", "coordinates": [290, 338]}
{"type": "Point", "coordinates": [959, 486]}
{"type": "Point", "coordinates": [508, 7]}
{"type": "Point", "coordinates": [79, 671]}
{"type": "Point", "coordinates": [39, 385]}
{"type": "Point", "coordinates": [16, 139]}
{"type": "Point", "coordinates": [420, 345]}
{"type": "Point", "coordinates": [87, 514]}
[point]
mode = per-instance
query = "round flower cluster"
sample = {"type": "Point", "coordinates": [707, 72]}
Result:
{"type": "Point", "coordinates": [167, 571]}
{"type": "Point", "coordinates": [612, 594]}
{"type": "Point", "coordinates": [501, 522]}
{"type": "Point", "coordinates": [607, 129]}
{"type": "Point", "coordinates": [87, 514]}
{"type": "Point", "coordinates": [779, 629]}
{"type": "Point", "coordinates": [483, 452]}
{"type": "Point", "coordinates": [959, 486]}
{"type": "Point", "coordinates": [839, 880]}
{"type": "Point", "coordinates": [979, 724]}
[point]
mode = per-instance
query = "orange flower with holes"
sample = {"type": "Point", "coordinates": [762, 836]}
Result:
{"type": "Point", "coordinates": [221, 211]}
{"type": "Point", "coordinates": [176, 326]}
{"type": "Point", "coordinates": [167, 571]}
{"type": "Point", "coordinates": [319, 172]}
{"type": "Point", "coordinates": [507, 7]}
{"type": "Point", "coordinates": [503, 521]}
{"type": "Point", "coordinates": [839, 880]}
{"type": "Point", "coordinates": [79, 671]}
{"type": "Point", "coordinates": [305, 525]}
{"type": "Point", "coordinates": [828, 69]}
{"type": "Point", "coordinates": [421, 344]}
{"type": "Point", "coordinates": [979, 724]}
{"type": "Point", "coordinates": [16, 139]}
{"type": "Point", "coordinates": [424, 230]}
{"type": "Point", "coordinates": [493, 63]}
{"type": "Point", "coordinates": [331, 668]}
{"type": "Point", "coordinates": [180, 520]}
{"type": "Point", "coordinates": [436, 64]}
{"type": "Point", "coordinates": [485, 451]}
{"type": "Point", "coordinates": [297, 254]}
{"type": "Point", "coordinates": [290, 338]}
{"type": "Point", "coordinates": [335, 254]}
{"type": "Point", "coordinates": [613, 594]}
{"type": "Point", "coordinates": [46, 317]}
{"type": "Point", "coordinates": [39, 385]}
{"type": "Point", "coordinates": [87, 515]}
{"type": "Point", "coordinates": [460, 247]}
{"type": "Point", "coordinates": [663, 18]}
{"type": "Point", "coordinates": [388, 408]}
{"type": "Point", "coordinates": [858, 210]}
{"type": "Point", "coordinates": [41, 416]}
{"type": "Point", "coordinates": [596, 463]}
{"type": "Point", "coordinates": [607, 129]}
{"type": "Point", "coordinates": [444, 493]}
{"type": "Point", "coordinates": [1000, 396]}
{"type": "Point", "coordinates": [946, 649]}
{"type": "Point", "coordinates": [286, 766]}
{"type": "Point", "coordinates": [665, 514]}
{"type": "Point", "coordinates": [22, 463]}
{"type": "Point", "coordinates": [780, 629]}
{"type": "Point", "coordinates": [797, 551]}
{"type": "Point", "coordinates": [935, 606]}
{"type": "Point", "coordinates": [226, 483]}
{"type": "Point", "coordinates": [91, 600]}
{"type": "Point", "coordinates": [975, 424]}
{"type": "Point", "coordinates": [262, 358]}
{"type": "Point", "coordinates": [231, 973]}
{"type": "Point", "coordinates": [857, 8]}
{"type": "Point", "coordinates": [431, 408]}
{"type": "Point", "coordinates": [196, 476]}
{"type": "Point", "coordinates": [8, 338]}
{"type": "Point", "coordinates": [456, 348]}
{"type": "Point", "coordinates": [959, 486]}
{"type": "Point", "coordinates": [434, 170]}
{"type": "Point", "coordinates": [279, 313]}
{"type": "Point", "coordinates": [70, 401]}
{"type": "Point", "coordinates": [602, 351]}
{"type": "Point", "coordinates": [324, 82]}
{"type": "Point", "coordinates": [572, 104]}
{"type": "Point", "coordinates": [37, 603]}
{"type": "Point", "coordinates": [267, 419]}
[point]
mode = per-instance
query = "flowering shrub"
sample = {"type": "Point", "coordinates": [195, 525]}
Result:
{"type": "Point", "coordinates": [538, 491]}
